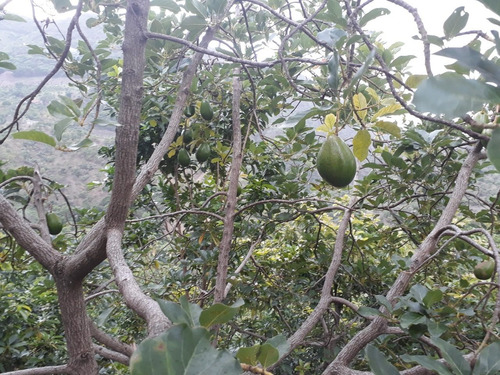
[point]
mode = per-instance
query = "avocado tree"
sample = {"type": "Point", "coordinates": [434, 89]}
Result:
{"type": "Point", "coordinates": [221, 249]}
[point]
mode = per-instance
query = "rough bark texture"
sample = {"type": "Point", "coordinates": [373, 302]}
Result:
{"type": "Point", "coordinates": [229, 211]}
{"type": "Point", "coordinates": [76, 327]}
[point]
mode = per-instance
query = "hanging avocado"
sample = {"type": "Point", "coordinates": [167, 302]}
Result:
{"type": "Point", "coordinates": [187, 136]}
{"type": "Point", "coordinates": [54, 224]}
{"type": "Point", "coordinates": [189, 111]}
{"type": "Point", "coordinates": [206, 111]}
{"type": "Point", "coordinates": [336, 163]}
{"type": "Point", "coordinates": [203, 152]}
{"type": "Point", "coordinates": [183, 157]}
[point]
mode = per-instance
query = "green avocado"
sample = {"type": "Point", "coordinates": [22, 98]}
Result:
{"type": "Point", "coordinates": [336, 163]}
{"type": "Point", "coordinates": [54, 224]}
{"type": "Point", "coordinates": [484, 270]}
{"type": "Point", "coordinates": [206, 111]}
{"type": "Point", "coordinates": [183, 157]}
{"type": "Point", "coordinates": [203, 152]}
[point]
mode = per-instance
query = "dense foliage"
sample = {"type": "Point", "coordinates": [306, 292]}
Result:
{"type": "Point", "coordinates": [219, 228]}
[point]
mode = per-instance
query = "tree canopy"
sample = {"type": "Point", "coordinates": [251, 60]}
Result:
{"type": "Point", "coordinates": [283, 195]}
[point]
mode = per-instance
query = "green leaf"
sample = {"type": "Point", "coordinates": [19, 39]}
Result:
{"type": "Point", "coordinates": [455, 22]}
{"type": "Point", "coordinates": [411, 318]}
{"type": "Point", "coordinates": [357, 76]}
{"type": "Point", "coordinates": [62, 5]}
{"type": "Point", "coordinates": [219, 314]}
{"type": "Point", "coordinates": [493, 149]}
{"type": "Point", "coordinates": [372, 14]}
{"type": "Point", "coordinates": [361, 143]}
{"type": "Point", "coordinates": [150, 354]}
{"type": "Point", "coordinates": [35, 50]}
{"type": "Point", "coordinates": [433, 39]}
{"type": "Point", "coordinates": [248, 355]}
{"type": "Point", "coordinates": [281, 343]}
{"type": "Point", "coordinates": [488, 362]}
{"type": "Point", "coordinates": [217, 6]}
{"type": "Point", "coordinates": [196, 7]}
{"type": "Point", "coordinates": [384, 302]}
{"type": "Point", "coordinates": [7, 65]}
{"type": "Point", "coordinates": [427, 362]}
{"type": "Point", "coordinates": [71, 105]}
{"type": "Point", "coordinates": [452, 95]}
{"type": "Point", "coordinates": [414, 80]}
{"type": "Point", "coordinates": [378, 363]}
{"type": "Point", "coordinates": [436, 328]}
{"type": "Point", "coordinates": [195, 24]}
{"type": "Point", "coordinates": [472, 59]}
{"type": "Point", "coordinates": [267, 355]}
{"type": "Point", "coordinates": [86, 142]}
{"type": "Point", "coordinates": [57, 108]}
{"type": "Point", "coordinates": [359, 102]}
{"type": "Point", "coordinates": [182, 350]}
{"type": "Point", "coordinates": [186, 313]}
{"type": "Point", "coordinates": [368, 312]}
{"type": "Point", "coordinates": [35, 135]}
{"type": "Point", "coordinates": [391, 128]}
{"type": "Point", "coordinates": [13, 17]}
{"type": "Point", "coordinates": [390, 109]}
{"type": "Point", "coordinates": [432, 297]}
{"type": "Point", "coordinates": [331, 36]}
{"type": "Point", "coordinates": [401, 61]}
{"type": "Point", "coordinates": [494, 5]}
{"type": "Point", "coordinates": [61, 126]}
{"type": "Point", "coordinates": [167, 4]}
{"type": "Point", "coordinates": [453, 356]}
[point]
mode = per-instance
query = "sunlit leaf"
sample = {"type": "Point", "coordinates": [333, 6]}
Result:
{"type": "Point", "coordinates": [330, 120]}
{"type": "Point", "coordinates": [359, 102]}
{"type": "Point", "coordinates": [414, 80]}
{"type": "Point", "coordinates": [386, 110]}
{"type": "Point", "coordinates": [361, 143]}
{"type": "Point", "coordinates": [389, 127]}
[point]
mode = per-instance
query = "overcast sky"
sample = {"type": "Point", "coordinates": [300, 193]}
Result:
{"type": "Point", "coordinates": [397, 26]}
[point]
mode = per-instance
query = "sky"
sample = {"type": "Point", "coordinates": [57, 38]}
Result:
{"type": "Point", "coordinates": [397, 26]}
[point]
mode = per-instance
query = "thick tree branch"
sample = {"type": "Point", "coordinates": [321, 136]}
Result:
{"type": "Point", "coordinates": [110, 354]}
{"type": "Point", "coordinates": [48, 370]}
{"type": "Point", "coordinates": [27, 237]}
{"type": "Point", "coordinates": [229, 211]}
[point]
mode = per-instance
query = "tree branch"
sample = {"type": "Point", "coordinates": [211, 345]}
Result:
{"type": "Point", "coordinates": [229, 211]}
{"type": "Point", "coordinates": [426, 249]}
